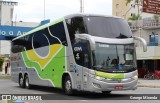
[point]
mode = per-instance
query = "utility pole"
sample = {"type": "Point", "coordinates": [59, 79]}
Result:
{"type": "Point", "coordinates": [44, 10]}
{"type": "Point", "coordinates": [81, 6]}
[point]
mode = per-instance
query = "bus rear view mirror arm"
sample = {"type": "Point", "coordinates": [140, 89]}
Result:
{"type": "Point", "coordinates": [143, 42]}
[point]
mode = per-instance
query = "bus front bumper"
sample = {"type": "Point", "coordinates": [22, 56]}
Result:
{"type": "Point", "coordinates": [113, 85]}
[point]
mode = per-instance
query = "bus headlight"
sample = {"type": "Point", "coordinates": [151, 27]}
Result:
{"type": "Point", "coordinates": [96, 77]}
{"type": "Point", "coordinates": [135, 77]}
{"type": "Point", "coordinates": [99, 78]}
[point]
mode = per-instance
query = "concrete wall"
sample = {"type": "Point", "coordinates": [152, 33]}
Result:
{"type": "Point", "coordinates": [152, 53]}
{"type": "Point", "coordinates": [145, 33]}
{"type": "Point", "coordinates": [6, 14]}
{"type": "Point", "coordinates": [5, 47]}
{"type": "Point", "coordinates": [119, 8]}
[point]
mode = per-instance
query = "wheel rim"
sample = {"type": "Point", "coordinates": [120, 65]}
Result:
{"type": "Point", "coordinates": [21, 81]}
{"type": "Point", "coordinates": [27, 82]}
{"type": "Point", "coordinates": [68, 85]}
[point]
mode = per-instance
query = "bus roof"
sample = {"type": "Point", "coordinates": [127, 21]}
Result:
{"type": "Point", "coordinates": [60, 20]}
{"type": "Point", "coordinates": [83, 15]}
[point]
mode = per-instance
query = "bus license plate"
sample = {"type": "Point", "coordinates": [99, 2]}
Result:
{"type": "Point", "coordinates": [118, 87]}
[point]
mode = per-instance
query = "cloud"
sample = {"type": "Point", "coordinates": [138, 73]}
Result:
{"type": "Point", "coordinates": [33, 10]}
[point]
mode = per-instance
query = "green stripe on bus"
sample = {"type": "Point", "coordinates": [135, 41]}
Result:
{"type": "Point", "coordinates": [110, 75]}
{"type": "Point", "coordinates": [53, 70]}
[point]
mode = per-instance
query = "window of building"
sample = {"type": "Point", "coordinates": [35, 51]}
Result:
{"type": "Point", "coordinates": [153, 39]}
{"type": "Point", "coordinates": [117, 5]}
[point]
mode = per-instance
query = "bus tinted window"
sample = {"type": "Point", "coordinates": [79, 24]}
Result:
{"type": "Point", "coordinates": [58, 31]}
{"type": "Point", "coordinates": [29, 42]}
{"type": "Point", "coordinates": [18, 46]}
{"type": "Point", "coordinates": [40, 39]}
{"type": "Point", "coordinates": [81, 51]}
{"type": "Point", "coordinates": [43, 37]}
{"type": "Point", "coordinates": [108, 27]}
{"type": "Point", "coordinates": [75, 26]}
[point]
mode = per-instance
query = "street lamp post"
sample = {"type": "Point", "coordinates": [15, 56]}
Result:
{"type": "Point", "coordinates": [44, 10]}
{"type": "Point", "coordinates": [140, 34]}
{"type": "Point", "coordinates": [81, 6]}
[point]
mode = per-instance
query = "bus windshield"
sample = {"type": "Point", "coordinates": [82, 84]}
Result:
{"type": "Point", "coordinates": [114, 58]}
{"type": "Point", "coordinates": [107, 27]}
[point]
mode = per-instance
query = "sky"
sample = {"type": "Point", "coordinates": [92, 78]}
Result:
{"type": "Point", "coordinates": [33, 10]}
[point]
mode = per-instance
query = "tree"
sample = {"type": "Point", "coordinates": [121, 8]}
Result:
{"type": "Point", "coordinates": [128, 1]}
{"type": "Point", "coordinates": [156, 17]}
{"type": "Point", "coordinates": [137, 2]}
{"type": "Point", "coordinates": [134, 17]}
{"type": "Point", "coordinates": [1, 63]}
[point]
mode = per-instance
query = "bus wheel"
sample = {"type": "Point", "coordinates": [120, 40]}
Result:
{"type": "Point", "coordinates": [27, 85]}
{"type": "Point", "coordinates": [21, 81]}
{"type": "Point", "coordinates": [68, 86]}
{"type": "Point", "coordinates": [106, 92]}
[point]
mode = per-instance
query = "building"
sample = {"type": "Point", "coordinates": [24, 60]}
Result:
{"type": "Point", "coordinates": [121, 9]}
{"type": "Point", "coordinates": [8, 29]}
{"type": "Point", "coordinates": [147, 27]}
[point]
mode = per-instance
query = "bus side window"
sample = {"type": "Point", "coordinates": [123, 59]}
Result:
{"type": "Point", "coordinates": [58, 31]}
{"type": "Point", "coordinates": [75, 26]}
{"type": "Point", "coordinates": [18, 46]}
{"type": "Point", "coordinates": [81, 52]}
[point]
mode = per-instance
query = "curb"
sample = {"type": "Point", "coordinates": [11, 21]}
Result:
{"type": "Point", "coordinates": [149, 85]}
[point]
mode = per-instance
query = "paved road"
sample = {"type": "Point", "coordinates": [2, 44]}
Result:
{"type": "Point", "coordinates": [9, 87]}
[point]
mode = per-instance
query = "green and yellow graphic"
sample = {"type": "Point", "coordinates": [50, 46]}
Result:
{"type": "Point", "coordinates": [52, 66]}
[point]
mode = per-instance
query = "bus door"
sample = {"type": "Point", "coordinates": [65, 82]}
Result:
{"type": "Point", "coordinates": [81, 51]}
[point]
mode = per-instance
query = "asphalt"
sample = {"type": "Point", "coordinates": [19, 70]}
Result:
{"type": "Point", "coordinates": [142, 83]}
{"type": "Point", "coordinates": [149, 83]}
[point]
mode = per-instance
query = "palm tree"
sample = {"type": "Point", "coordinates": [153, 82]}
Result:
{"type": "Point", "coordinates": [156, 18]}
{"type": "Point", "coordinates": [134, 17]}
{"type": "Point", "coordinates": [128, 1]}
{"type": "Point", "coordinates": [137, 2]}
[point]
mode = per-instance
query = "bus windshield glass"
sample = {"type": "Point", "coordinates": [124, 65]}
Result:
{"type": "Point", "coordinates": [114, 58]}
{"type": "Point", "coordinates": [107, 27]}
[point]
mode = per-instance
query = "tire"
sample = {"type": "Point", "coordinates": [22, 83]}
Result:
{"type": "Point", "coordinates": [68, 86]}
{"type": "Point", "coordinates": [106, 92]}
{"type": "Point", "coordinates": [26, 81]}
{"type": "Point", "coordinates": [21, 81]}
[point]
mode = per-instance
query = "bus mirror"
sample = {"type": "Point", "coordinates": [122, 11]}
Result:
{"type": "Point", "coordinates": [143, 42]}
{"type": "Point", "coordinates": [87, 37]}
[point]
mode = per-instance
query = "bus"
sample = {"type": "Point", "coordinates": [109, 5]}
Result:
{"type": "Point", "coordinates": [82, 52]}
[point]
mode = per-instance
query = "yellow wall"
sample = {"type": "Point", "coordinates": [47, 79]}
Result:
{"type": "Point", "coordinates": [119, 8]}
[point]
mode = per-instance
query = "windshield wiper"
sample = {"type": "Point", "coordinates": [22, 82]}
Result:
{"type": "Point", "coordinates": [122, 36]}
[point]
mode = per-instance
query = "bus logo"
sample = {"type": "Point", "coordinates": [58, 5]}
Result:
{"type": "Point", "coordinates": [76, 49]}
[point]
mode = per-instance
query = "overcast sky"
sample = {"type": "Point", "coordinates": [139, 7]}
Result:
{"type": "Point", "coordinates": [33, 10]}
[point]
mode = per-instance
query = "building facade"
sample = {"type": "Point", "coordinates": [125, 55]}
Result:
{"type": "Point", "coordinates": [121, 9]}
{"type": "Point", "coordinates": [8, 28]}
